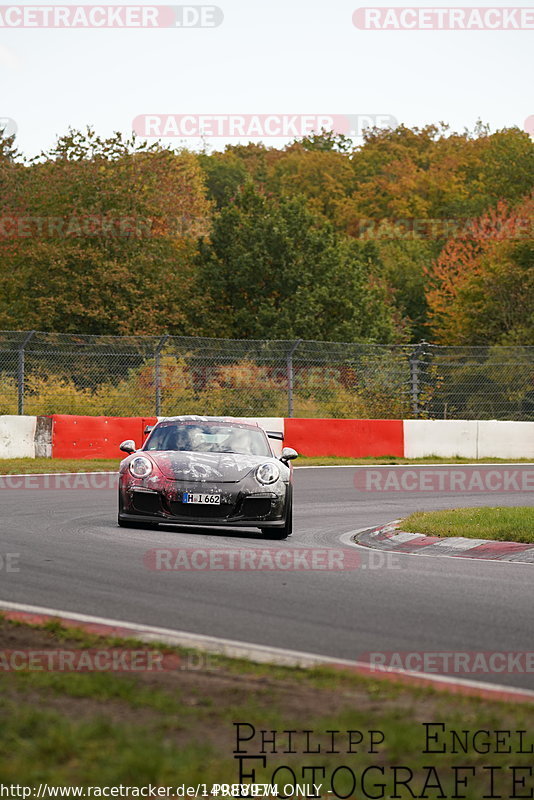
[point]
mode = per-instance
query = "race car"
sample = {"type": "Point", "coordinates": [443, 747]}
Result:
{"type": "Point", "coordinates": [207, 471]}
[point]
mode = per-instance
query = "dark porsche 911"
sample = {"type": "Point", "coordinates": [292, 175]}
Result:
{"type": "Point", "coordinates": [207, 471]}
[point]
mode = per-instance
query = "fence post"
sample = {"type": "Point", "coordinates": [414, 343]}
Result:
{"type": "Point", "coordinates": [415, 387]}
{"type": "Point", "coordinates": [290, 377]}
{"type": "Point", "coordinates": [157, 367]}
{"type": "Point", "coordinates": [20, 372]}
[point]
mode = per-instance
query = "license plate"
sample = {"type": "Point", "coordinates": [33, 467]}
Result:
{"type": "Point", "coordinates": [202, 499]}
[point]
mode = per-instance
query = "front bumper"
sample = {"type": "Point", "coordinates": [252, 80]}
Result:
{"type": "Point", "coordinates": [241, 505]}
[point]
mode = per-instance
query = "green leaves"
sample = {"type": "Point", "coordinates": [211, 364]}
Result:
{"type": "Point", "coordinates": [275, 270]}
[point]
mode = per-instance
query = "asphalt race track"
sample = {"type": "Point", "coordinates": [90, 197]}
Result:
{"type": "Point", "coordinates": [74, 557]}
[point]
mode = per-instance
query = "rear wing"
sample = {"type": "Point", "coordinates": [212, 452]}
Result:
{"type": "Point", "coordinates": [275, 435]}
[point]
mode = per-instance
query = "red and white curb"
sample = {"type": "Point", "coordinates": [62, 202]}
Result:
{"type": "Point", "coordinates": [36, 615]}
{"type": "Point", "coordinates": [390, 538]}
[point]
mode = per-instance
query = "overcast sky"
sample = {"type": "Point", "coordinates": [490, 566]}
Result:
{"type": "Point", "coordinates": [276, 57]}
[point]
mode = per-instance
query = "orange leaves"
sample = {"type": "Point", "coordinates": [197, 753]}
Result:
{"type": "Point", "coordinates": [465, 292]}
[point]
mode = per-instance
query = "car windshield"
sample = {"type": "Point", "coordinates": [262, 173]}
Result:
{"type": "Point", "coordinates": [209, 438]}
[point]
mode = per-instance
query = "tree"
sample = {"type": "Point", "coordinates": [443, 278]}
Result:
{"type": "Point", "coordinates": [481, 288]}
{"type": "Point", "coordinates": [8, 151]}
{"type": "Point", "coordinates": [324, 141]}
{"type": "Point", "coordinates": [402, 263]}
{"type": "Point", "coordinates": [225, 174]}
{"type": "Point", "coordinates": [435, 173]}
{"type": "Point", "coordinates": [274, 270]}
{"type": "Point", "coordinates": [103, 237]}
{"type": "Point", "coordinates": [323, 177]}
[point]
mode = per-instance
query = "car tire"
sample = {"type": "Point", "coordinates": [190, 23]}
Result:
{"type": "Point", "coordinates": [287, 530]}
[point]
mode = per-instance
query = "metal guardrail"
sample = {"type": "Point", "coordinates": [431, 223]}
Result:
{"type": "Point", "coordinates": [45, 373]}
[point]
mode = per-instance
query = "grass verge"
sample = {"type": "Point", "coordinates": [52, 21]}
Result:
{"type": "Point", "coordinates": [500, 524]}
{"type": "Point", "coordinates": [176, 726]}
{"type": "Point", "coordinates": [22, 466]}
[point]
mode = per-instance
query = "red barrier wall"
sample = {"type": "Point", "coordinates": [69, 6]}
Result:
{"type": "Point", "coordinates": [95, 437]}
{"type": "Point", "coordinates": [99, 437]}
{"type": "Point", "coordinates": [356, 438]}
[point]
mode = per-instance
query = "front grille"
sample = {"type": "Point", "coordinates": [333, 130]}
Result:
{"type": "Point", "coordinates": [146, 503]}
{"type": "Point", "coordinates": [201, 511]}
{"type": "Point", "coordinates": [256, 506]}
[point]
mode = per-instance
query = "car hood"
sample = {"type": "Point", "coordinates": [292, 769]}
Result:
{"type": "Point", "coordinates": [207, 467]}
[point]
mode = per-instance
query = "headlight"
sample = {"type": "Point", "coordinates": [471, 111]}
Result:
{"type": "Point", "coordinates": [267, 473]}
{"type": "Point", "coordinates": [140, 467]}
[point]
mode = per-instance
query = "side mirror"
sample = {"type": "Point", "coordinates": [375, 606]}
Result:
{"type": "Point", "coordinates": [128, 446]}
{"type": "Point", "coordinates": [149, 429]}
{"type": "Point", "coordinates": [288, 454]}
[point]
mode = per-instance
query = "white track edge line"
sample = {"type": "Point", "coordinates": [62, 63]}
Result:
{"type": "Point", "coordinates": [255, 652]}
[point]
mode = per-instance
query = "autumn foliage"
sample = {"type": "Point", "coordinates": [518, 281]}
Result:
{"type": "Point", "coordinates": [416, 233]}
{"type": "Point", "coordinates": [481, 286]}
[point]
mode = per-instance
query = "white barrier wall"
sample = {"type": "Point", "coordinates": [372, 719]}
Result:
{"type": "Point", "coordinates": [440, 437]}
{"type": "Point", "coordinates": [468, 438]}
{"type": "Point", "coordinates": [505, 439]}
{"type": "Point", "coordinates": [28, 437]}
{"type": "Point", "coordinates": [17, 436]}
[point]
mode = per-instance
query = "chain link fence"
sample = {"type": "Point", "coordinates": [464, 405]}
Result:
{"type": "Point", "coordinates": [52, 373]}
